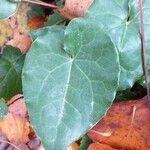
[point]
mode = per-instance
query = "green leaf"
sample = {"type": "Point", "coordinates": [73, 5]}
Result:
{"type": "Point", "coordinates": [59, 2]}
{"type": "Point", "coordinates": [54, 19]}
{"type": "Point", "coordinates": [36, 10]}
{"type": "Point", "coordinates": [120, 18]}
{"type": "Point", "coordinates": [11, 63]}
{"type": "Point", "coordinates": [7, 8]}
{"type": "Point", "coordinates": [3, 108]}
{"type": "Point", "coordinates": [85, 142]}
{"type": "Point", "coordinates": [66, 94]}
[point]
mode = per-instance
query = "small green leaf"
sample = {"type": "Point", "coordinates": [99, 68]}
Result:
{"type": "Point", "coordinates": [11, 63]}
{"type": "Point", "coordinates": [85, 142]}
{"type": "Point", "coordinates": [3, 108]}
{"type": "Point", "coordinates": [66, 94]}
{"type": "Point", "coordinates": [59, 2]}
{"type": "Point", "coordinates": [54, 19]}
{"type": "Point", "coordinates": [7, 8]}
{"type": "Point", "coordinates": [37, 11]}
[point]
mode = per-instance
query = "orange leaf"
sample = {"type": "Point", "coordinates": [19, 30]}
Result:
{"type": "Point", "coordinates": [75, 8]}
{"type": "Point", "coordinates": [15, 128]}
{"type": "Point", "coordinates": [73, 146]}
{"type": "Point", "coordinates": [128, 125]}
{"type": "Point", "coordinates": [36, 22]}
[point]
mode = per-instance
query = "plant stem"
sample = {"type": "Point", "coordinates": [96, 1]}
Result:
{"type": "Point", "coordinates": [145, 67]}
{"type": "Point", "coordinates": [41, 3]}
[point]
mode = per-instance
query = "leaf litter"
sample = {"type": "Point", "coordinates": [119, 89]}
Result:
{"type": "Point", "coordinates": [128, 123]}
{"type": "Point", "coordinates": [126, 126]}
{"type": "Point", "coordinates": [15, 128]}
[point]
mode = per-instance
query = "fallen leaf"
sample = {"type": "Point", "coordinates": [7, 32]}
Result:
{"type": "Point", "coordinates": [14, 30]}
{"type": "Point", "coordinates": [20, 40]}
{"type": "Point", "coordinates": [34, 143]}
{"type": "Point", "coordinates": [15, 128]}
{"type": "Point", "coordinates": [36, 22]}
{"type": "Point", "coordinates": [17, 106]}
{"type": "Point", "coordinates": [73, 146]}
{"type": "Point", "coordinates": [74, 8]}
{"type": "Point", "coordinates": [18, 23]}
{"type": "Point", "coordinates": [129, 124]}
{"type": "Point", "coordinates": [99, 146]}
{"type": "Point", "coordinates": [6, 32]}
{"type": "Point", "coordinates": [6, 145]}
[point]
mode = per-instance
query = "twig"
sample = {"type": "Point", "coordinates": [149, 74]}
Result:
{"type": "Point", "coordinates": [3, 141]}
{"type": "Point", "coordinates": [144, 59]}
{"type": "Point", "coordinates": [38, 2]}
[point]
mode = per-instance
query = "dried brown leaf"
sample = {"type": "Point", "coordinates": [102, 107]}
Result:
{"type": "Point", "coordinates": [129, 123]}
{"type": "Point", "coordinates": [73, 146]}
{"type": "Point", "coordinates": [6, 32]}
{"type": "Point", "coordinates": [14, 31]}
{"type": "Point", "coordinates": [36, 22]}
{"type": "Point", "coordinates": [15, 128]}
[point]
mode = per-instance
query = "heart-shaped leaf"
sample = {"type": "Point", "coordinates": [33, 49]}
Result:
{"type": "Point", "coordinates": [7, 8]}
{"type": "Point", "coordinates": [67, 93]}
{"type": "Point", "coordinates": [120, 18]}
{"type": "Point", "coordinates": [11, 63]}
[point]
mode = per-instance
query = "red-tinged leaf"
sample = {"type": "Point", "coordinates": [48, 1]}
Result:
{"type": "Point", "coordinates": [18, 23]}
{"type": "Point", "coordinates": [17, 106]}
{"type": "Point", "coordinates": [126, 125]}
{"type": "Point", "coordinates": [75, 8]}
{"type": "Point", "coordinates": [20, 41]}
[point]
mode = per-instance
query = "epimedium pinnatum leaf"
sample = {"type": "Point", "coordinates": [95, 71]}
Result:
{"type": "Point", "coordinates": [11, 63]}
{"type": "Point", "coordinates": [85, 42]}
{"type": "Point", "coordinates": [67, 94]}
{"type": "Point", "coordinates": [121, 21]}
{"type": "Point", "coordinates": [7, 8]}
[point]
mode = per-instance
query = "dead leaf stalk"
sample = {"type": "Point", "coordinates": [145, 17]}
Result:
{"type": "Point", "coordinates": [144, 59]}
{"type": "Point", "coordinates": [41, 3]}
